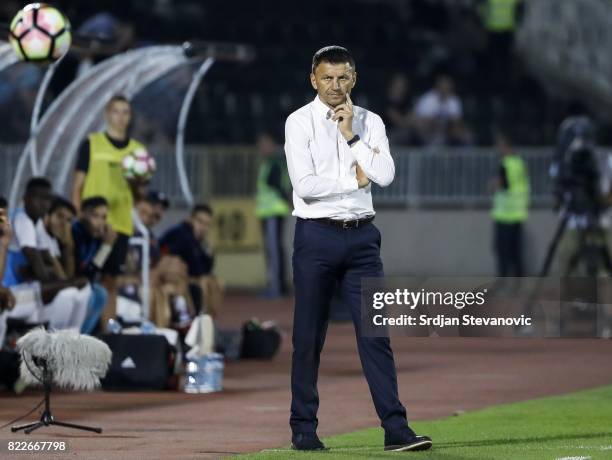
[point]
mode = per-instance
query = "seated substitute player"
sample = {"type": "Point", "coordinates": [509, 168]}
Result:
{"type": "Point", "coordinates": [189, 241]}
{"type": "Point", "coordinates": [30, 261]}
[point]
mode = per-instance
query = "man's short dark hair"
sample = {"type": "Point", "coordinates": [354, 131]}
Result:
{"type": "Point", "coordinates": [3, 203]}
{"type": "Point", "coordinates": [93, 202]}
{"type": "Point", "coordinates": [272, 134]}
{"type": "Point", "coordinates": [59, 202]}
{"type": "Point", "coordinates": [117, 98]}
{"type": "Point", "coordinates": [202, 207]}
{"type": "Point", "coordinates": [334, 55]}
{"type": "Point", "coordinates": [154, 197]}
{"type": "Point", "coordinates": [37, 183]}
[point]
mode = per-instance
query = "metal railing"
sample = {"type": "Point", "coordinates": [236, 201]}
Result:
{"type": "Point", "coordinates": [458, 178]}
{"type": "Point", "coordinates": [212, 171]}
{"type": "Point", "coordinates": [449, 178]}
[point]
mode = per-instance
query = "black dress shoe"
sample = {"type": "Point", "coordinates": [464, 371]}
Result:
{"type": "Point", "coordinates": [306, 441]}
{"type": "Point", "coordinates": [406, 441]}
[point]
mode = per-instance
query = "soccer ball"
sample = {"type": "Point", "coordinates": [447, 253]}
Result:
{"type": "Point", "coordinates": [40, 32]}
{"type": "Point", "coordinates": [138, 165]}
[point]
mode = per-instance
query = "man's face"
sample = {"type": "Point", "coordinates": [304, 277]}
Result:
{"type": "Point", "coordinates": [58, 220]}
{"type": "Point", "coordinates": [95, 219]}
{"type": "Point", "coordinates": [146, 213]}
{"type": "Point", "coordinates": [503, 146]}
{"type": "Point", "coordinates": [445, 86]}
{"type": "Point", "coordinates": [37, 202]}
{"type": "Point", "coordinates": [333, 82]}
{"type": "Point", "coordinates": [158, 214]}
{"type": "Point", "coordinates": [266, 145]}
{"type": "Point", "coordinates": [201, 222]}
{"type": "Point", "coordinates": [118, 115]}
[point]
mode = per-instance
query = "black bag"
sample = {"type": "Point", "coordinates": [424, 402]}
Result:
{"type": "Point", "coordinates": [258, 343]}
{"type": "Point", "coordinates": [9, 368]}
{"type": "Point", "coordinates": [140, 362]}
{"type": "Point", "coordinates": [229, 343]}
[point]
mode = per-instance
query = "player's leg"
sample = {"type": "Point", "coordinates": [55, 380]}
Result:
{"type": "Point", "coordinates": [59, 311]}
{"type": "Point", "coordinates": [95, 306]}
{"type": "Point", "coordinates": [113, 268]}
{"type": "Point", "coordinates": [500, 247]}
{"type": "Point", "coordinates": [80, 307]}
{"type": "Point", "coordinates": [271, 227]}
{"type": "Point", "coordinates": [517, 242]}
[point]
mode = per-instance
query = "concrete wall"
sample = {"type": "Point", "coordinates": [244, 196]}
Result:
{"type": "Point", "coordinates": [415, 242]}
{"type": "Point", "coordinates": [453, 243]}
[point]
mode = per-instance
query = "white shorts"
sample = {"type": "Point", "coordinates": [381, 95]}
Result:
{"type": "Point", "coordinates": [66, 311]}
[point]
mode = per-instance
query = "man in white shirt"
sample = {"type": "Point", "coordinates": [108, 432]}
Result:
{"type": "Point", "coordinates": [334, 151]}
{"type": "Point", "coordinates": [439, 115]}
{"type": "Point", "coordinates": [30, 259]}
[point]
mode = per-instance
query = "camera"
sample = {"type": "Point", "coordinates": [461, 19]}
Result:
{"type": "Point", "coordinates": [575, 169]}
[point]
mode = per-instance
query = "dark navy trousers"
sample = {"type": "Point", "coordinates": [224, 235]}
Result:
{"type": "Point", "coordinates": [322, 255]}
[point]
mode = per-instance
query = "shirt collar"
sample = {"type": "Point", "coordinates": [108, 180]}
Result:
{"type": "Point", "coordinates": [321, 109]}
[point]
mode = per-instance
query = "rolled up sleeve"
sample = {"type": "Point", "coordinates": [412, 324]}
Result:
{"type": "Point", "coordinates": [374, 157]}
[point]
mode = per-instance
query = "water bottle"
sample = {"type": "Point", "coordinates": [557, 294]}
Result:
{"type": "Point", "coordinates": [181, 311]}
{"type": "Point", "coordinates": [113, 326]}
{"type": "Point", "coordinates": [191, 377]}
{"type": "Point", "coordinates": [217, 371]}
{"type": "Point", "coordinates": [147, 327]}
{"type": "Point", "coordinates": [205, 374]}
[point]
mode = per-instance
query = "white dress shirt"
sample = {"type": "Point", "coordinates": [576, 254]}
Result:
{"type": "Point", "coordinates": [322, 166]}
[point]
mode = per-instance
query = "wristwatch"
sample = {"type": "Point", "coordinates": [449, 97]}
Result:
{"type": "Point", "coordinates": [353, 141]}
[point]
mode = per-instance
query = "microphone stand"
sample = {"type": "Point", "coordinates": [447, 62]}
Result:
{"type": "Point", "coordinates": [47, 419]}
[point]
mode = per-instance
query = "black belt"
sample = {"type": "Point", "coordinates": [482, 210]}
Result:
{"type": "Point", "coordinates": [344, 224]}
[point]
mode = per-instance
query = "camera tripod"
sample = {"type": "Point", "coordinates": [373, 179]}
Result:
{"type": "Point", "coordinates": [47, 419]}
{"type": "Point", "coordinates": [592, 248]}
{"type": "Point", "coordinates": [592, 251]}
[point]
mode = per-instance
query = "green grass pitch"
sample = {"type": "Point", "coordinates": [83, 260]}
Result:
{"type": "Point", "coordinates": [573, 426]}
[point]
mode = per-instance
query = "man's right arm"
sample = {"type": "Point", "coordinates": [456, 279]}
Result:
{"type": "Point", "coordinates": [306, 184]}
{"type": "Point", "coordinates": [5, 240]}
{"type": "Point", "coordinates": [36, 263]}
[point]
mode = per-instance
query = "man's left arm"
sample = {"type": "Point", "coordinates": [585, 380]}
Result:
{"type": "Point", "coordinates": [374, 157]}
{"type": "Point", "coordinates": [54, 265]}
